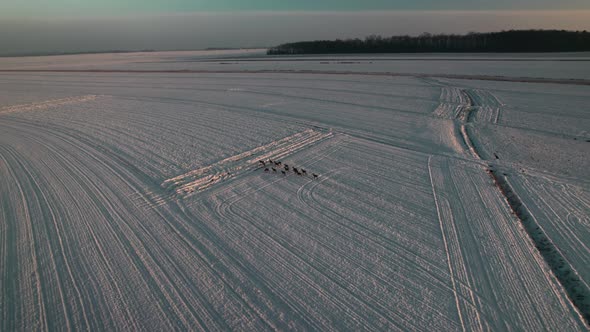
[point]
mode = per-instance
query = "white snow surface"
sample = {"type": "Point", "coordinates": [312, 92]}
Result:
{"type": "Point", "coordinates": [137, 201]}
{"type": "Point", "coordinates": [574, 65]}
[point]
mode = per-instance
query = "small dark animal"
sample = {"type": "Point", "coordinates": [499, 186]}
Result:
{"type": "Point", "coordinates": [262, 162]}
{"type": "Point", "coordinates": [270, 161]}
{"type": "Point", "coordinates": [286, 167]}
{"type": "Point", "coordinates": [283, 172]}
{"type": "Point", "coordinates": [266, 169]}
{"type": "Point", "coordinates": [315, 176]}
{"type": "Point", "coordinates": [279, 163]}
{"type": "Point", "coordinates": [495, 155]}
{"type": "Point", "coordinates": [274, 169]}
{"type": "Point", "coordinates": [303, 171]}
{"type": "Point", "coordinates": [295, 170]}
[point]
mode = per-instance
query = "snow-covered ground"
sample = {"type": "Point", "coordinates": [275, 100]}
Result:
{"type": "Point", "coordinates": [521, 66]}
{"type": "Point", "coordinates": [137, 200]}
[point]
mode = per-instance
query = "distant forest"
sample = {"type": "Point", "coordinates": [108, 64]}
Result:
{"type": "Point", "coordinates": [505, 41]}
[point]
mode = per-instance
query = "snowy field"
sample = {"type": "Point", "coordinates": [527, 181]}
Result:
{"type": "Point", "coordinates": [137, 200]}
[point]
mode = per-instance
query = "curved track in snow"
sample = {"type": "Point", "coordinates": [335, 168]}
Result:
{"type": "Point", "coordinates": [403, 229]}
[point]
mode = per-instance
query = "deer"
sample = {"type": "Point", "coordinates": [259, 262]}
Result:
{"type": "Point", "coordinates": [266, 169]}
{"type": "Point", "coordinates": [283, 172]}
{"type": "Point", "coordinates": [304, 171]}
{"type": "Point", "coordinates": [274, 169]}
{"type": "Point", "coordinates": [315, 176]}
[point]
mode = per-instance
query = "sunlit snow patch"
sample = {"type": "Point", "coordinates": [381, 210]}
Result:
{"type": "Point", "coordinates": [47, 104]}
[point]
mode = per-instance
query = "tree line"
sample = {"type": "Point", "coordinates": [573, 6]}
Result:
{"type": "Point", "coordinates": [504, 41]}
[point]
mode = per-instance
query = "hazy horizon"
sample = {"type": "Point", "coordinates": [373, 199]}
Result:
{"type": "Point", "coordinates": [55, 33]}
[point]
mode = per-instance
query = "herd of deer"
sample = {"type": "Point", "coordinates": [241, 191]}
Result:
{"type": "Point", "coordinates": [273, 165]}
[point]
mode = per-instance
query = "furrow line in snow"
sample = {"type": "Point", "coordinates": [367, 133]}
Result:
{"type": "Point", "coordinates": [294, 261]}
{"type": "Point", "coordinates": [142, 247]}
{"type": "Point", "coordinates": [577, 289]}
{"type": "Point", "coordinates": [366, 273]}
{"type": "Point", "coordinates": [131, 236]}
{"type": "Point", "coordinates": [510, 283]}
{"type": "Point", "coordinates": [34, 302]}
{"type": "Point", "coordinates": [47, 211]}
{"type": "Point", "coordinates": [225, 210]}
{"type": "Point", "coordinates": [442, 229]}
{"type": "Point", "coordinates": [98, 198]}
{"type": "Point", "coordinates": [163, 260]}
{"type": "Point", "coordinates": [486, 106]}
{"type": "Point", "coordinates": [464, 297]}
{"type": "Point", "coordinates": [481, 105]}
{"type": "Point", "coordinates": [68, 170]}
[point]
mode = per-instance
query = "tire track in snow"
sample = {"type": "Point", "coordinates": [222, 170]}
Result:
{"type": "Point", "coordinates": [472, 315]}
{"type": "Point", "coordinates": [31, 294]}
{"type": "Point", "coordinates": [180, 232]}
{"type": "Point", "coordinates": [488, 109]}
{"type": "Point", "coordinates": [467, 106]}
{"type": "Point", "coordinates": [229, 209]}
{"type": "Point", "coordinates": [483, 106]}
{"type": "Point", "coordinates": [69, 166]}
{"type": "Point", "coordinates": [565, 272]}
{"type": "Point", "coordinates": [99, 191]}
{"type": "Point", "coordinates": [486, 106]}
{"type": "Point", "coordinates": [345, 295]}
{"type": "Point", "coordinates": [414, 260]}
{"type": "Point", "coordinates": [514, 287]}
{"type": "Point", "coordinates": [225, 211]}
{"type": "Point", "coordinates": [45, 204]}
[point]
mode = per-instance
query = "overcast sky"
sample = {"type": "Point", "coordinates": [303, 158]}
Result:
{"type": "Point", "coordinates": [93, 25]}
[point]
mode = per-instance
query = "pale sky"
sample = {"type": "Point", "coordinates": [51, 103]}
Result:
{"type": "Point", "coordinates": [117, 7]}
{"type": "Point", "coordinates": [94, 25]}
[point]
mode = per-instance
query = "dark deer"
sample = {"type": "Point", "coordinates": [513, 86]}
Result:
{"type": "Point", "coordinates": [266, 169]}
{"type": "Point", "coordinates": [283, 172]}
{"type": "Point", "coordinates": [315, 176]}
{"type": "Point", "coordinates": [262, 162]}
{"type": "Point", "coordinates": [295, 170]}
{"type": "Point", "coordinates": [286, 167]}
{"type": "Point", "coordinates": [304, 171]}
{"type": "Point", "coordinates": [274, 169]}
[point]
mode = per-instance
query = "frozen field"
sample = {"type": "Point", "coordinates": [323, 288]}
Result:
{"type": "Point", "coordinates": [137, 200]}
